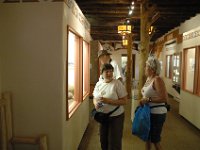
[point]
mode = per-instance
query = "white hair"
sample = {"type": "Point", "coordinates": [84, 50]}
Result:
{"type": "Point", "coordinates": [154, 64]}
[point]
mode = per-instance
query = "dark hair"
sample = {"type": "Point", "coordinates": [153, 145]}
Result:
{"type": "Point", "coordinates": [106, 67]}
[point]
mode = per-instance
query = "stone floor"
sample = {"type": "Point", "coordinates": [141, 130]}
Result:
{"type": "Point", "coordinates": [178, 133]}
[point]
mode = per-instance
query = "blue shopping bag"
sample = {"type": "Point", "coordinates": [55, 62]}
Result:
{"type": "Point", "coordinates": [141, 122]}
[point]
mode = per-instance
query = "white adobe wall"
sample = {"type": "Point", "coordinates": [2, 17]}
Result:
{"type": "Point", "coordinates": [31, 50]}
{"type": "Point", "coordinates": [116, 55]}
{"type": "Point", "coordinates": [74, 128]}
{"type": "Point", "coordinates": [169, 50]}
{"type": "Point", "coordinates": [190, 104]}
{"type": "Point", "coordinates": [33, 59]}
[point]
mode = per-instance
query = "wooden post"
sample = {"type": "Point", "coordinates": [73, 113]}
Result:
{"type": "Point", "coordinates": [144, 45]}
{"type": "Point", "coordinates": [129, 66]}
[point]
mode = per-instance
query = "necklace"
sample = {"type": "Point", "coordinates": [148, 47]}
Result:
{"type": "Point", "coordinates": [148, 81]}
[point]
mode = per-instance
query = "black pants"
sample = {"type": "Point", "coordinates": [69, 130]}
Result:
{"type": "Point", "coordinates": [157, 121]}
{"type": "Point", "coordinates": [111, 133]}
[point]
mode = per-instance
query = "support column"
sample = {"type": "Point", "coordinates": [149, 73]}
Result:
{"type": "Point", "coordinates": [144, 43]}
{"type": "Point", "coordinates": [129, 67]}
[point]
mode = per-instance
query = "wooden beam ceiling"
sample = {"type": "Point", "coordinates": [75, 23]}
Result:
{"type": "Point", "coordinates": [105, 15]}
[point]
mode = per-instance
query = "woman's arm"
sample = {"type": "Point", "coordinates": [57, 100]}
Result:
{"type": "Point", "coordinates": [120, 101]}
{"type": "Point", "coordinates": [159, 86]}
{"type": "Point", "coordinates": [95, 101]}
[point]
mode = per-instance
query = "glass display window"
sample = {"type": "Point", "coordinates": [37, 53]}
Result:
{"type": "Point", "coordinates": [189, 69]}
{"type": "Point", "coordinates": [191, 72]}
{"type": "Point", "coordinates": [168, 70]}
{"type": "Point", "coordinates": [74, 71]}
{"type": "Point", "coordinates": [78, 60]}
{"type": "Point", "coordinates": [176, 69]}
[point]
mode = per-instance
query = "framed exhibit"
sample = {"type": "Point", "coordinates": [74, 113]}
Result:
{"type": "Point", "coordinates": [168, 69]}
{"type": "Point", "coordinates": [77, 68]}
{"type": "Point", "coordinates": [191, 71]}
{"type": "Point", "coordinates": [176, 68]}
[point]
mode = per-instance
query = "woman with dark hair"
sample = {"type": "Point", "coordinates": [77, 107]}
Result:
{"type": "Point", "coordinates": [104, 58]}
{"type": "Point", "coordinates": [109, 94]}
{"type": "Point", "coordinates": [154, 93]}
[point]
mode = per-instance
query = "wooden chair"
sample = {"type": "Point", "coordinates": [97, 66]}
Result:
{"type": "Point", "coordinates": [7, 140]}
{"type": "Point", "coordinates": [5, 121]}
{"type": "Point", "coordinates": [26, 143]}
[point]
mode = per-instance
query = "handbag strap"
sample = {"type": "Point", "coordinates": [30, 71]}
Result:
{"type": "Point", "coordinates": [113, 111]}
{"type": "Point", "coordinates": [158, 106]}
{"type": "Point", "coordinates": [162, 105]}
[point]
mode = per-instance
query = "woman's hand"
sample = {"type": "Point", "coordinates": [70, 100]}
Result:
{"type": "Point", "coordinates": [104, 100]}
{"type": "Point", "coordinates": [97, 102]}
{"type": "Point", "coordinates": [144, 101]}
{"type": "Point", "coordinates": [120, 101]}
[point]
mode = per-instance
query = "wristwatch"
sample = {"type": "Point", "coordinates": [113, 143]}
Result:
{"type": "Point", "coordinates": [149, 99]}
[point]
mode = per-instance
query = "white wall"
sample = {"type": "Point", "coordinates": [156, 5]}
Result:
{"type": "Point", "coordinates": [74, 128]}
{"type": "Point", "coordinates": [33, 57]}
{"type": "Point", "coordinates": [169, 50]}
{"type": "Point", "coordinates": [116, 55]}
{"type": "Point", "coordinates": [190, 104]}
{"type": "Point", "coordinates": [31, 67]}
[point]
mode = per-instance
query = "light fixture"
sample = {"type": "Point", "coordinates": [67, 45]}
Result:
{"type": "Point", "coordinates": [151, 30]}
{"type": "Point", "coordinates": [130, 12]}
{"type": "Point", "coordinates": [124, 42]}
{"type": "Point", "coordinates": [132, 7]}
{"type": "Point", "coordinates": [124, 29]}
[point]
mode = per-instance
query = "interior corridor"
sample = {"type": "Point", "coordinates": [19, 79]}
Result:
{"type": "Point", "coordinates": [178, 133]}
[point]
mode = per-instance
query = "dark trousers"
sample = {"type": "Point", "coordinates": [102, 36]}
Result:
{"type": "Point", "coordinates": [111, 133]}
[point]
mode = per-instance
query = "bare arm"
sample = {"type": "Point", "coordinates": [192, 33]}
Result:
{"type": "Point", "coordinates": [120, 101]}
{"type": "Point", "coordinates": [159, 86]}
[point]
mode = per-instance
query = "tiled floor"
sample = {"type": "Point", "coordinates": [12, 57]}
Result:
{"type": "Point", "coordinates": [178, 133]}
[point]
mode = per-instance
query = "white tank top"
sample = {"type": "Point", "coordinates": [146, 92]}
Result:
{"type": "Point", "coordinates": [148, 91]}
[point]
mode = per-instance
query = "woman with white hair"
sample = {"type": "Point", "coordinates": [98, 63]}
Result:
{"type": "Point", "coordinates": [154, 93]}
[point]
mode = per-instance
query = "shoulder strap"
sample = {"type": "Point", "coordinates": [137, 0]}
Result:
{"type": "Point", "coordinates": [157, 106]}
{"type": "Point", "coordinates": [163, 105]}
{"type": "Point", "coordinates": [113, 111]}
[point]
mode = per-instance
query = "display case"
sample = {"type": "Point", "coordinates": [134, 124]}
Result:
{"type": "Point", "coordinates": [168, 69]}
{"type": "Point", "coordinates": [77, 71]}
{"type": "Point", "coordinates": [189, 71]}
{"type": "Point", "coordinates": [176, 69]}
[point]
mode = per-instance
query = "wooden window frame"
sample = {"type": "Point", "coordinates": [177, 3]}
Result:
{"type": "Point", "coordinates": [86, 68]}
{"type": "Point", "coordinates": [78, 79]}
{"type": "Point", "coordinates": [196, 86]}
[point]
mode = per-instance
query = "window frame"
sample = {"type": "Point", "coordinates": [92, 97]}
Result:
{"type": "Point", "coordinates": [196, 82]}
{"type": "Point", "coordinates": [86, 65]}
{"type": "Point", "coordinates": [70, 109]}
{"type": "Point", "coordinates": [197, 86]}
